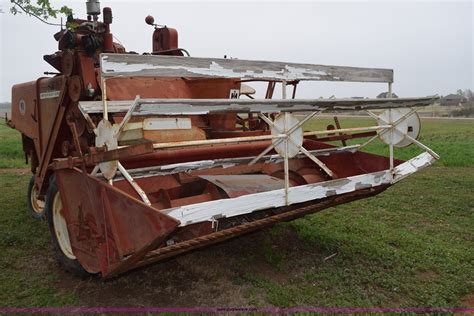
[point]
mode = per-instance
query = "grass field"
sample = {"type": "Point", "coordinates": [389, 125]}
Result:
{"type": "Point", "coordinates": [11, 152]}
{"type": "Point", "coordinates": [409, 246]}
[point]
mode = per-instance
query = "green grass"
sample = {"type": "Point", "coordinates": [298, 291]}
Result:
{"type": "Point", "coordinates": [409, 246]}
{"type": "Point", "coordinates": [25, 280]}
{"type": "Point", "coordinates": [11, 151]}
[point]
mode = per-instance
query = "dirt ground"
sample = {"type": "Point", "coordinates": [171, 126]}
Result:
{"type": "Point", "coordinates": [468, 301]}
{"type": "Point", "coordinates": [207, 277]}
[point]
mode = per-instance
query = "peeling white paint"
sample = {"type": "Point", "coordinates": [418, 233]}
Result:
{"type": "Point", "coordinates": [214, 70]}
{"type": "Point", "coordinates": [114, 67]}
{"type": "Point", "coordinates": [293, 73]}
{"type": "Point", "coordinates": [166, 123]}
{"type": "Point", "coordinates": [207, 211]}
{"type": "Point", "coordinates": [179, 167]}
{"type": "Point", "coordinates": [413, 165]}
{"type": "Point", "coordinates": [171, 66]}
{"type": "Point", "coordinates": [225, 163]}
{"type": "Point", "coordinates": [206, 106]}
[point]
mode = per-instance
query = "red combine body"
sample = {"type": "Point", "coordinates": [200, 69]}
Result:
{"type": "Point", "coordinates": [136, 158]}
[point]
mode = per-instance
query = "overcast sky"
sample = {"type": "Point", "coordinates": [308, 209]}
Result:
{"type": "Point", "coordinates": [428, 44]}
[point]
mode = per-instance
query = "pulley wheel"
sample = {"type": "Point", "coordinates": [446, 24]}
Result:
{"type": "Point", "coordinates": [410, 125]}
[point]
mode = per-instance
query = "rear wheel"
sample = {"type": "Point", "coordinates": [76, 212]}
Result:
{"type": "Point", "coordinates": [35, 205]}
{"type": "Point", "coordinates": [59, 232]}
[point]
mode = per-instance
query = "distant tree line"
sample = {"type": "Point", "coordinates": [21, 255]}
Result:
{"type": "Point", "coordinates": [466, 107]}
{"type": "Point", "coordinates": [467, 93]}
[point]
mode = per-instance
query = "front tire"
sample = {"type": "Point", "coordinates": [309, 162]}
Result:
{"type": "Point", "coordinates": [35, 205]}
{"type": "Point", "coordinates": [59, 232]}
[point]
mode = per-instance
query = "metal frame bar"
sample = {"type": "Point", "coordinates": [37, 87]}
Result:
{"type": "Point", "coordinates": [419, 144]}
{"type": "Point", "coordinates": [215, 141]}
{"type": "Point", "coordinates": [209, 106]}
{"type": "Point", "coordinates": [127, 116]}
{"type": "Point", "coordinates": [344, 130]}
{"type": "Point", "coordinates": [104, 100]}
{"type": "Point", "coordinates": [286, 164]}
{"type": "Point", "coordinates": [135, 185]}
{"type": "Point", "coordinates": [390, 146]}
{"type": "Point", "coordinates": [261, 137]}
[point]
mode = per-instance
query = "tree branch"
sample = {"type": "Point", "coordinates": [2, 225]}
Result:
{"type": "Point", "coordinates": [42, 11]}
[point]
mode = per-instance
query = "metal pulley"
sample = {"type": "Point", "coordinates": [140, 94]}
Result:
{"type": "Point", "coordinates": [284, 122]}
{"type": "Point", "coordinates": [106, 136]}
{"type": "Point", "coordinates": [405, 121]}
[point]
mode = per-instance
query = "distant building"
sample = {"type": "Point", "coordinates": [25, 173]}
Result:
{"type": "Point", "coordinates": [452, 100]}
{"type": "Point", "coordinates": [384, 95]}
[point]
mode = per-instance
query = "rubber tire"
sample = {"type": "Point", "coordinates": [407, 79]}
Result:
{"type": "Point", "coordinates": [30, 207]}
{"type": "Point", "coordinates": [70, 265]}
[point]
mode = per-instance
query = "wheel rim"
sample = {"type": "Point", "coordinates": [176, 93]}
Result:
{"type": "Point", "coordinates": [60, 228]}
{"type": "Point", "coordinates": [37, 205]}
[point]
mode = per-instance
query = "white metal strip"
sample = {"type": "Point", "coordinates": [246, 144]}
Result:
{"type": "Point", "coordinates": [224, 163]}
{"type": "Point", "coordinates": [413, 165]}
{"type": "Point", "coordinates": [135, 185]}
{"type": "Point", "coordinates": [206, 106]}
{"type": "Point", "coordinates": [128, 65]}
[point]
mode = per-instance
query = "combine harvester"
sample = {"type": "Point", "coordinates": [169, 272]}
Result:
{"type": "Point", "coordinates": [138, 158]}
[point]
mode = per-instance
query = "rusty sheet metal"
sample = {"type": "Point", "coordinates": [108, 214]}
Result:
{"type": "Point", "coordinates": [223, 235]}
{"type": "Point", "coordinates": [208, 211]}
{"type": "Point", "coordinates": [24, 111]}
{"type": "Point", "coordinates": [105, 224]}
{"type": "Point", "coordinates": [164, 88]}
{"type": "Point", "coordinates": [127, 65]}
{"type": "Point", "coordinates": [49, 135]}
{"type": "Point", "coordinates": [238, 185]}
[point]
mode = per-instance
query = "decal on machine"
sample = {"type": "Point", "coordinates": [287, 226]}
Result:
{"type": "Point", "coordinates": [49, 94]}
{"type": "Point", "coordinates": [234, 94]}
{"type": "Point", "coordinates": [22, 106]}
